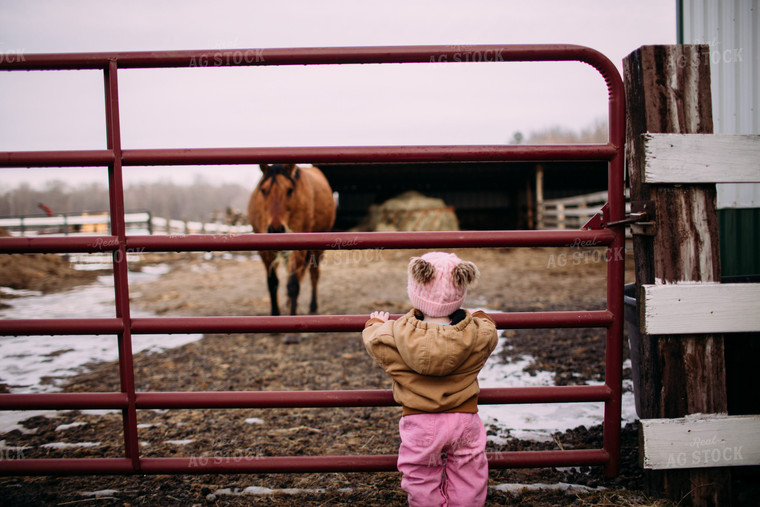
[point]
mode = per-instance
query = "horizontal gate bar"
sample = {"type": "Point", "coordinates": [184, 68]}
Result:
{"type": "Point", "coordinates": [67, 466]}
{"type": "Point", "coordinates": [273, 464]}
{"type": "Point", "coordinates": [265, 399]}
{"type": "Point", "coordinates": [545, 394]}
{"type": "Point", "coordinates": [490, 53]}
{"type": "Point", "coordinates": [358, 154]}
{"type": "Point", "coordinates": [287, 399]}
{"type": "Point", "coordinates": [376, 463]}
{"type": "Point", "coordinates": [358, 398]}
{"type": "Point", "coordinates": [348, 323]}
{"type": "Point", "coordinates": [280, 324]}
{"type": "Point", "coordinates": [63, 401]}
{"type": "Point", "coordinates": [282, 464]}
{"type": "Point", "coordinates": [306, 154]}
{"type": "Point", "coordinates": [308, 241]}
{"type": "Point", "coordinates": [31, 327]}
{"type": "Point", "coordinates": [534, 459]}
{"type": "Point", "coordinates": [367, 240]}
{"type": "Point", "coordinates": [59, 244]}
{"type": "Point", "coordinates": [63, 158]}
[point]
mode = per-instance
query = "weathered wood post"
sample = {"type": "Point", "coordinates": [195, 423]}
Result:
{"type": "Point", "coordinates": [668, 91]}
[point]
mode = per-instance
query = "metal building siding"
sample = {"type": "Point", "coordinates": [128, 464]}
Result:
{"type": "Point", "coordinates": [731, 29]}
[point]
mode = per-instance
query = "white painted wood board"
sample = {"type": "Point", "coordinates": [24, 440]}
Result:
{"type": "Point", "coordinates": [701, 158]}
{"type": "Point", "coordinates": [700, 441]}
{"type": "Point", "coordinates": [695, 308]}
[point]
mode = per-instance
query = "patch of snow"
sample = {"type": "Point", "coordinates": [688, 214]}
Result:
{"type": "Point", "coordinates": [179, 442]}
{"type": "Point", "coordinates": [629, 403]}
{"type": "Point", "coordinates": [576, 469]}
{"type": "Point", "coordinates": [68, 445]}
{"type": "Point", "coordinates": [10, 419]}
{"type": "Point", "coordinates": [569, 489]}
{"type": "Point", "coordinates": [258, 490]}
{"type": "Point", "coordinates": [100, 493]}
{"type": "Point", "coordinates": [62, 427]}
{"type": "Point", "coordinates": [99, 412]}
{"type": "Point", "coordinates": [254, 420]}
{"type": "Point", "coordinates": [19, 292]}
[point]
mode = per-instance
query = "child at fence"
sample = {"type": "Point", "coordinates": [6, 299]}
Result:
{"type": "Point", "coordinates": [433, 355]}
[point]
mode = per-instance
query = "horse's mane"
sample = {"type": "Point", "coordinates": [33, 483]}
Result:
{"type": "Point", "coordinates": [275, 169]}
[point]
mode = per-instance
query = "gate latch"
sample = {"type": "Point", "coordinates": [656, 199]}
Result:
{"type": "Point", "coordinates": [641, 218]}
{"type": "Point", "coordinates": [630, 219]}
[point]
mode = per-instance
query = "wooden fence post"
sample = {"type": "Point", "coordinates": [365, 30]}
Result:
{"type": "Point", "coordinates": [668, 91]}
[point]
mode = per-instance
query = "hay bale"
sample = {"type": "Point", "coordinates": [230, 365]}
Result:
{"type": "Point", "coordinates": [410, 211]}
{"type": "Point", "coordinates": [40, 272]}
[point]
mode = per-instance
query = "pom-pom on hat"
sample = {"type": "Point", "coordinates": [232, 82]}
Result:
{"type": "Point", "coordinates": [438, 282]}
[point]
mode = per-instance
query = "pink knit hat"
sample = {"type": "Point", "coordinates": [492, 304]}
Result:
{"type": "Point", "coordinates": [438, 282]}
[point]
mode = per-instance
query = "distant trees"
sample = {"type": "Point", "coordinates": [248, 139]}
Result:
{"type": "Point", "coordinates": [57, 195]}
{"type": "Point", "coordinates": [596, 133]}
{"type": "Point", "coordinates": [201, 200]}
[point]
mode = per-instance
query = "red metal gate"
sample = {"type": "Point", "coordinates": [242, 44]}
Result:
{"type": "Point", "coordinates": [124, 326]}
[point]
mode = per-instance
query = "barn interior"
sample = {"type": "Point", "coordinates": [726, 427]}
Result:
{"type": "Point", "coordinates": [484, 195]}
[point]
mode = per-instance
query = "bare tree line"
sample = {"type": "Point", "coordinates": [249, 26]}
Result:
{"type": "Point", "coordinates": [595, 133]}
{"type": "Point", "coordinates": [201, 200]}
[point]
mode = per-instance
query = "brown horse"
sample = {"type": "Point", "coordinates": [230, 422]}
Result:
{"type": "Point", "coordinates": [292, 199]}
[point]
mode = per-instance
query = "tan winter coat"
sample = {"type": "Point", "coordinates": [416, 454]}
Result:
{"type": "Point", "coordinates": [434, 368]}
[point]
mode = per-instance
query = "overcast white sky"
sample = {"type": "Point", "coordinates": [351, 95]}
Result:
{"type": "Point", "coordinates": [292, 106]}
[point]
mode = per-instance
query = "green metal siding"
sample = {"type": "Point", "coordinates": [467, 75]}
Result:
{"type": "Point", "coordinates": [739, 241]}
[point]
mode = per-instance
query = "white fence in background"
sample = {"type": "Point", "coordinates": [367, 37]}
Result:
{"type": "Point", "coordinates": [99, 223]}
{"type": "Point", "coordinates": [571, 212]}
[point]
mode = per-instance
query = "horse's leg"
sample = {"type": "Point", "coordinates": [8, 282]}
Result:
{"type": "Point", "coordinates": [272, 281]}
{"type": "Point", "coordinates": [314, 258]}
{"type": "Point", "coordinates": [296, 268]}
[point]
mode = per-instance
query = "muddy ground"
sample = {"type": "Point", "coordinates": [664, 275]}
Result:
{"type": "Point", "coordinates": [353, 282]}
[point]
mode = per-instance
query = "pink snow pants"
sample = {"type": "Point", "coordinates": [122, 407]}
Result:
{"type": "Point", "coordinates": [442, 458]}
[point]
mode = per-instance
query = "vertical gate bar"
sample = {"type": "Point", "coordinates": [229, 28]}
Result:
{"type": "Point", "coordinates": [615, 280]}
{"type": "Point", "coordinates": [120, 272]}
